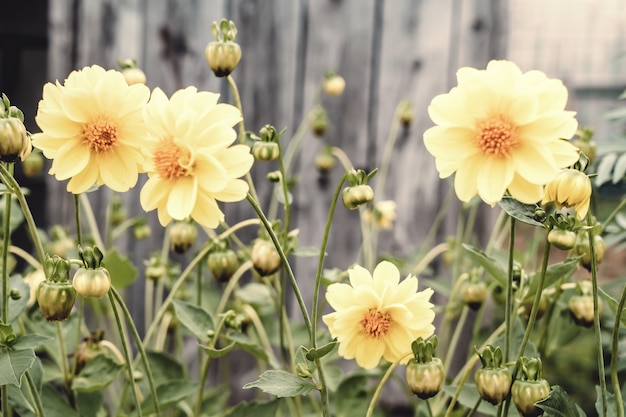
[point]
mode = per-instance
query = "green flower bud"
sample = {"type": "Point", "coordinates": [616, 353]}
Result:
{"type": "Point", "coordinates": [223, 54]}
{"type": "Point", "coordinates": [183, 235]}
{"type": "Point", "coordinates": [14, 140]}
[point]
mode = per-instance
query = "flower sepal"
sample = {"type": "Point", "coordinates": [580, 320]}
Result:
{"type": "Point", "coordinates": [55, 294]}
{"type": "Point", "coordinates": [424, 372]}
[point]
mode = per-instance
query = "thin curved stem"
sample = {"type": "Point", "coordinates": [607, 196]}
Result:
{"type": "Point", "coordinates": [127, 356]}
{"type": "Point", "coordinates": [429, 257]}
{"type": "Point", "coordinates": [140, 347]}
{"type": "Point", "coordinates": [32, 387]}
{"type": "Point", "coordinates": [508, 312]}
{"type": "Point", "coordinates": [381, 384]}
{"type": "Point", "coordinates": [91, 220]}
{"type": "Point", "coordinates": [617, 391]}
{"type": "Point", "coordinates": [596, 315]}
{"type": "Point", "coordinates": [283, 257]}
{"type": "Point", "coordinates": [6, 228]}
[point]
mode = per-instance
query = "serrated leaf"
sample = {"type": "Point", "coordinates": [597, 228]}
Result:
{"type": "Point", "coordinates": [619, 169]}
{"type": "Point", "coordinates": [13, 364]}
{"type": "Point", "coordinates": [169, 394]}
{"type": "Point", "coordinates": [217, 353]}
{"type": "Point", "coordinates": [559, 404]}
{"type": "Point", "coordinates": [519, 211]}
{"type": "Point", "coordinates": [121, 269]}
{"type": "Point", "coordinates": [490, 265]}
{"type": "Point", "coordinates": [29, 341]}
{"type": "Point", "coordinates": [281, 384]}
{"type": "Point", "coordinates": [254, 408]}
{"type": "Point", "coordinates": [197, 320]}
{"type": "Point", "coordinates": [97, 374]}
{"type": "Point", "coordinates": [605, 168]}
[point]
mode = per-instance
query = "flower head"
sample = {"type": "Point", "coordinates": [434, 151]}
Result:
{"type": "Point", "coordinates": [92, 128]}
{"type": "Point", "coordinates": [570, 188]}
{"type": "Point", "coordinates": [501, 129]}
{"type": "Point", "coordinates": [189, 160]}
{"type": "Point", "coordinates": [377, 316]}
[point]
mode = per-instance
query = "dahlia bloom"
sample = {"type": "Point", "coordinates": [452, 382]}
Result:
{"type": "Point", "coordinates": [377, 316]}
{"type": "Point", "coordinates": [570, 188]}
{"type": "Point", "coordinates": [92, 129]}
{"type": "Point", "coordinates": [501, 129]}
{"type": "Point", "coordinates": [189, 160]}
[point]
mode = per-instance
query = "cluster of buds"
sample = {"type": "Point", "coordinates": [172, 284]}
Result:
{"type": "Point", "coordinates": [223, 54]}
{"type": "Point", "coordinates": [14, 139]}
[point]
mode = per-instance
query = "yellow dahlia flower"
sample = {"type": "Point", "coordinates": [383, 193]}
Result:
{"type": "Point", "coordinates": [501, 129]}
{"type": "Point", "coordinates": [377, 316]}
{"type": "Point", "coordinates": [570, 188]}
{"type": "Point", "coordinates": [92, 128]}
{"type": "Point", "coordinates": [189, 160]}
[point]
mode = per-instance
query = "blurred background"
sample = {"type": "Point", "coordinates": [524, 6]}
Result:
{"type": "Point", "coordinates": [387, 51]}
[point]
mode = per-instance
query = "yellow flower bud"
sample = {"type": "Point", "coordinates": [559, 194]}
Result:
{"type": "Point", "coordinates": [570, 188]}
{"type": "Point", "coordinates": [224, 53]}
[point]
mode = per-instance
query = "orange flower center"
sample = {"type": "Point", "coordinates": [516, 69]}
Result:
{"type": "Point", "coordinates": [376, 324]}
{"type": "Point", "coordinates": [497, 136]}
{"type": "Point", "coordinates": [172, 161]}
{"type": "Point", "coordinates": [101, 134]}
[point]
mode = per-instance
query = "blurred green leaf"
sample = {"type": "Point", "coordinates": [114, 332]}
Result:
{"type": "Point", "coordinates": [554, 273]}
{"type": "Point", "coordinates": [197, 320]}
{"type": "Point", "coordinates": [217, 353]}
{"type": "Point", "coordinates": [13, 364]}
{"type": "Point", "coordinates": [559, 404]}
{"type": "Point", "coordinates": [605, 169]}
{"type": "Point", "coordinates": [281, 384]}
{"type": "Point", "coordinates": [254, 408]}
{"type": "Point", "coordinates": [121, 269]}
{"type": "Point", "coordinates": [97, 374]}
{"type": "Point", "coordinates": [169, 394]}
{"type": "Point", "coordinates": [520, 211]}
{"type": "Point", "coordinates": [612, 303]}
{"type": "Point", "coordinates": [490, 265]}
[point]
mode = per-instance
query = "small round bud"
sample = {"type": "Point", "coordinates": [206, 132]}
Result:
{"type": "Point", "coordinates": [265, 151]}
{"type": "Point", "coordinates": [14, 141]}
{"type": "Point", "coordinates": [355, 196]}
{"type": "Point", "coordinates": [265, 257]}
{"type": "Point", "coordinates": [33, 164]}
{"type": "Point", "coordinates": [334, 85]}
{"type": "Point", "coordinates": [183, 235]}
{"type": "Point", "coordinates": [324, 162]}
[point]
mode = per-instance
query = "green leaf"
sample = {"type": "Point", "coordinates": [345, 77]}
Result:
{"type": "Point", "coordinates": [17, 307]}
{"type": "Point", "coordinates": [553, 274]}
{"type": "Point", "coordinates": [121, 269]}
{"type": "Point", "coordinates": [29, 341]}
{"type": "Point", "coordinates": [89, 403]}
{"type": "Point", "coordinates": [197, 320]}
{"type": "Point", "coordinates": [254, 408]}
{"type": "Point", "coordinates": [20, 398]}
{"type": "Point", "coordinates": [55, 404]}
{"type": "Point", "coordinates": [169, 394]}
{"type": "Point", "coordinates": [97, 374]}
{"type": "Point", "coordinates": [321, 351]}
{"type": "Point", "coordinates": [254, 293]}
{"type": "Point", "coordinates": [13, 364]}
{"type": "Point", "coordinates": [612, 303]}
{"type": "Point", "coordinates": [281, 384]}
{"type": "Point", "coordinates": [280, 196]}
{"type": "Point", "coordinates": [164, 367]}
{"type": "Point", "coordinates": [559, 404]}
{"type": "Point", "coordinates": [605, 169]}
{"type": "Point", "coordinates": [217, 353]}
{"type": "Point", "coordinates": [519, 211]}
{"type": "Point", "coordinates": [611, 407]}
{"type": "Point", "coordinates": [490, 265]}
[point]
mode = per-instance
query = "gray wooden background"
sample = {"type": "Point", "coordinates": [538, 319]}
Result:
{"type": "Point", "coordinates": [387, 51]}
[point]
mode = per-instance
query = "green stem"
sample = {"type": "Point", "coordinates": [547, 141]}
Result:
{"type": "Point", "coordinates": [283, 257]}
{"type": "Point", "coordinates": [454, 341]}
{"type": "Point", "coordinates": [34, 393]}
{"type": "Point", "coordinates": [596, 315]}
{"type": "Point", "coordinates": [6, 227]}
{"type": "Point", "coordinates": [129, 364]}
{"type": "Point", "coordinates": [617, 391]}
{"type": "Point", "coordinates": [531, 319]}
{"type": "Point", "coordinates": [91, 221]}
{"type": "Point", "coordinates": [79, 235]}
{"type": "Point", "coordinates": [320, 262]}
{"type": "Point", "coordinates": [5, 401]}
{"type": "Point", "coordinates": [379, 388]}
{"type": "Point", "coordinates": [242, 128]}
{"type": "Point", "coordinates": [508, 312]}
{"type": "Point", "coordinates": [615, 211]}
{"type": "Point", "coordinates": [473, 410]}
{"type": "Point", "coordinates": [140, 346]}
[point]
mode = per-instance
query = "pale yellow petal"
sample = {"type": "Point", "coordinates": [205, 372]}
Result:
{"type": "Point", "coordinates": [153, 193]}
{"type": "Point", "coordinates": [206, 211]}
{"type": "Point", "coordinates": [493, 179]}
{"type": "Point", "coordinates": [534, 163]}
{"type": "Point", "coordinates": [182, 198]}
{"type": "Point", "coordinates": [524, 191]}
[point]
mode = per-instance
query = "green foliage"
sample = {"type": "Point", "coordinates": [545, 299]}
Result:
{"type": "Point", "coordinates": [97, 374]}
{"type": "Point", "coordinates": [121, 269]}
{"type": "Point", "coordinates": [281, 384]}
{"type": "Point", "coordinates": [559, 404]}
